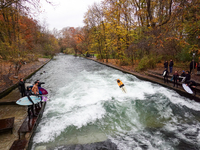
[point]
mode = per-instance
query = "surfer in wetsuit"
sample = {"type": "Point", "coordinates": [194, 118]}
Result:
{"type": "Point", "coordinates": [121, 85]}
{"type": "Point", "coordinates": [30, 107]}
{"type": "Point", "coordinates": [40, 83]}
{"type": "Point", "coordinates": [22, 87]}
{"type": "Point", "coordinates": [192, 84]}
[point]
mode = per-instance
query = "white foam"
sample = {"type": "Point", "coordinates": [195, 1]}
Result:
{"type": "Point", "coordinates": [79, 101]}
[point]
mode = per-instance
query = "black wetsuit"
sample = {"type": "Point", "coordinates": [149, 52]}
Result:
{"type": "Point", "coordinates": [30, 107]}
{"type": "Point", "coordinates": [40, 83]}
{"type": "Point", "coordinates": [175, 77]}
{"type": "Point", "coordinates": [22, 88]}
{"type": "Point", "coordinates": [191, 84]}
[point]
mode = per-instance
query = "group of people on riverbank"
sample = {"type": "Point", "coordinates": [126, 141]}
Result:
{"type": "Point", "coordinates": [185, 77]}
{"type": "Point", "coordinates": [193, 66]}
{"type": "Point", "coordinates": [34, 90]}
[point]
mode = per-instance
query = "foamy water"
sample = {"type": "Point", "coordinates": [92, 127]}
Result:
{"type": "Point", "coordinates": [87, 106]}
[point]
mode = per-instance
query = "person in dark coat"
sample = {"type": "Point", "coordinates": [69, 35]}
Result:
{"type": "Point", "coordinates": [192, 84]}
{"type": "Point", "coordinates": [166, 65]}
{"type": "Point", "coordinates": [165, 75]}
{"type": "Point", "coordinates": [171, 64]}
{"type": "Point", "coordinates": [30, 107]}
{"type": "Point", "coordinates": [40, 83]}
{"type": "Point", "coordinates": [175, 78]}
{"type": "Point", "coordinates": [187, 76]}
{"type": "Point", "coordinates": [192, 65]}
{"type": "Point", "coordinates": [21, 87]}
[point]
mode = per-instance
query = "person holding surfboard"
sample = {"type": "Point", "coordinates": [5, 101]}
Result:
{"type": "Point", "coordinates": [165, 75]}
{"type": "Point", "coordinates": [40, 83]}
{"type": "Point", "coordinates": [121, 85]}
{"type": "Point", "coordinates": [30, 107]}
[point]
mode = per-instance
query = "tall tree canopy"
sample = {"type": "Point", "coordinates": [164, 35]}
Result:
{"type": "Point", "coordinates": [130, 29]}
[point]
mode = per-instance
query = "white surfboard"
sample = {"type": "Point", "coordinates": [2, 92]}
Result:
{"type": "Point", "coordinates": [123, 89]}
{"type": "Point", "coordinates": [164, 73]}
{"type": "Point", "coordinates": [28, 84]}
{"type": "Point", "coordinates": [187, 88]}
{"type": "Point", "coordinates": [25, 101]}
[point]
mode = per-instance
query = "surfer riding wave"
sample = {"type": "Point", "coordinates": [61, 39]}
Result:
{"type": "Point", "coordinates": [121, 85]}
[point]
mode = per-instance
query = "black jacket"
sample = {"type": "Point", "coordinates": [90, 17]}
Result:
{"type": "Point", "coordinates": [171, 64]}
{"type": "Point", "coordinates": [21, 86]}
{"type": "Point", "coordinates": [166, 64]}
{"type": "Point", "coordinates": [191, 64]}
{"type": "Point", "coordinates": [175, 76]}
{"type": "Point", "coordinates": [191, 83]}
{"type": "Point", "coordinates": [183, 74]}
{"type": "Point", "coordinates": [187, 77]}
{"type": "Point", "coordinates": [40, 83]}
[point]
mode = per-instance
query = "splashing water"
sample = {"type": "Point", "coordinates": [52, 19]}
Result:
{"type": "Point", "coordinates": [87, 106]}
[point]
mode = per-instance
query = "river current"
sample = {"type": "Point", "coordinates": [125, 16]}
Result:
{"type": "Point", "coordinates": [87, 110]}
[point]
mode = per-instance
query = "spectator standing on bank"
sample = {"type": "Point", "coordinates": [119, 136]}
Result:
{"type": "Point", "coordinates": [21, 87]}
{"type": "Point", "coordinates": [192, 65]}
{"type": "Point", "coordinates": [171, 64]}
{"type": "Point", "coordinates": [198, 69]}
{"type": "Point", "coordinates": [165, 75]}
{"type": "Point", "coordinates": [166, 65]}
{"type": "Point", "coordinates": [175, 77]}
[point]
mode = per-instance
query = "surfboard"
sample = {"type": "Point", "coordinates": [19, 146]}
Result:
{"type": "Point", "coordinates": [123, 89]}
{"type": "Point", "coordinates": [164, 73]}
{"type": "Point", "coordinates": [42, 91]}
{"type": "Point", "coordinates": [44, 99]}
{"type": "Point", "coordinates": [25, 101]}
{"type": "Point", "coordinates": [187, 88]}
{"type": "Point", "coordinates": [28, 84]}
